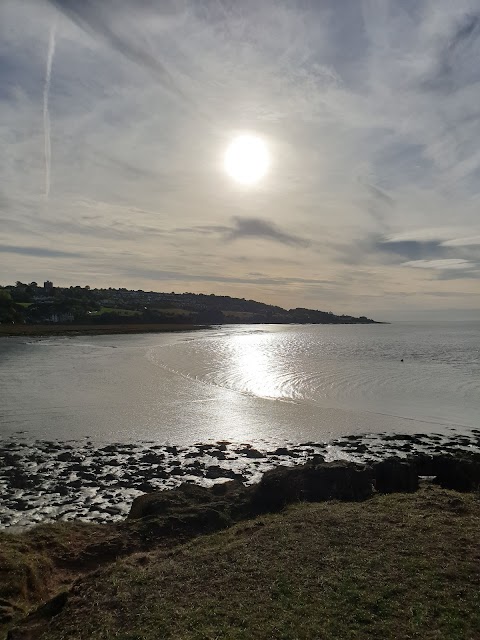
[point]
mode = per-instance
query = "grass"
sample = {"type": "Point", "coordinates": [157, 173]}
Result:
{"type": "Point", "coordinates": [118, 312]}
{"type": "Point", "coordinates": [89, 329]}
{"type": "Point", "coordinates": [34, 566]}
{"type": "Point", "coordinates": [398, 566]}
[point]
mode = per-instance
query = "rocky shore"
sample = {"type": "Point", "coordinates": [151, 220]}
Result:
{"type": "Point", "coordinates": [134, 559]}
{"type": "Point", "coordinates": [43, 481]}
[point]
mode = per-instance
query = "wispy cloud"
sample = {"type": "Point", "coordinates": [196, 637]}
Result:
{"type": "Point", "coordinates": [98, 20]}
{"type": "Point", "coordinates": [39, 252]}
{"type": "Point", "coordinates": [257, 228]}
{"type": "Point", "coordinates": [448, 263]}
{"type": "Point", "coordinates": [469, 241]}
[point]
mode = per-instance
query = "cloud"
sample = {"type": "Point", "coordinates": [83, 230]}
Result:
{"type": "Point", "coordinates": [448, 263]}
{"type": "Point", "coordinates": [251, 279]}
{"type": "Point", "coordinates": [39, 252]}
{"type": "Point", "coordinates": [96, 19]}
{"type": "Point", "coordinates": [462, 242]}
{"type": "Point", "coordinates": [429, 234]}
{"type": "Point", "coordinates": [453, 49]}
{"type": "Point", "coordinates": [412, 249]}
{"type": "Point", "coordinates": [258, 228]}
{"type": "Point", "coordinates": [246, 228]}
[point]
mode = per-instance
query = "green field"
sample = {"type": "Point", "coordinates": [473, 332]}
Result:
{"type": "Point", "coordinates": [116, 311]}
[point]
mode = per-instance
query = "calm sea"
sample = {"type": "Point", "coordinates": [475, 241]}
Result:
{"type": "Point", "coordinates": [244, 383]}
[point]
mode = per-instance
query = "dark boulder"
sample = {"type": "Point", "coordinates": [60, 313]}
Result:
{"type": "Point", "coordinates": [215, 472]}
{"type": "Point", "coordinates": [151, 457]}
{"type": "Point", "coordinates": [424, 464]}
{"type": "Point", "coordinates": [161, 503]}
{"type": "Point", "coordinates": [460, 472]}
{"type": "Point", "coordinates": [277, 488]}
{"type": "Point", "coordinates": [68, 456]}
{"type": "Point", "coordinates": [253, 453]}
{"type": "Point", "coordinates": [312, 483]}
{"type": "Point", "coordinates": [338, 480]}
{"type": "Point", "coordinates": [395, 475]}
{"type": "Point", "coordinates": [220, 455]}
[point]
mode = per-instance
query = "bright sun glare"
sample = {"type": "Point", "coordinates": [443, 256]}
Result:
{"type": "Point", "coordinates": [247, 159]}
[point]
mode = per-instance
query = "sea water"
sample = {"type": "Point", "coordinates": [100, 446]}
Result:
{"type": "Point", "coordinates": [243, 383]}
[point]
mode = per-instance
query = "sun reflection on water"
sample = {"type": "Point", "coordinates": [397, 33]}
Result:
{"type": "Point", "coordinates": [254, 366]}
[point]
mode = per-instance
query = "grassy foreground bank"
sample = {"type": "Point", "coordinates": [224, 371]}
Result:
{"type": "Point", "coordinates": [394, 566]}
{"type": "Point", "coordinates": [90, 329]}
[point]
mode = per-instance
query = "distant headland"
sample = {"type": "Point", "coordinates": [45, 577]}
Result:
{"type": "Point", "coordinates": [84, 307]}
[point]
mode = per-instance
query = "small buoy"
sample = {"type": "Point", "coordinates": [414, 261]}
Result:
{"type": "Point", "coordinates": [401, 360]}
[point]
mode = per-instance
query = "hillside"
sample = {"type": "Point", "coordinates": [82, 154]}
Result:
{"type": "Point", "coordinates": [31, 304]}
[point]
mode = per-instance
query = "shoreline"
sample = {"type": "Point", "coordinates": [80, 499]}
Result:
{"type": "Point", "coordinates": [65, 330]}
{"type": "Point", "coordinates": [56, 481]}
{"type": "Point", "coordinates": [36, 330]}
{"type": "Point", "coordinates": [257, 553]}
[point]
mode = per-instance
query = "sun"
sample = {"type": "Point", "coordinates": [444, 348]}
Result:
{"type": "Point", "coordinates": [247, 159]}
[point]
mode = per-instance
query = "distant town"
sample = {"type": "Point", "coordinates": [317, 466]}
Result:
{"type": "Point", "coordinates": [31, 303]}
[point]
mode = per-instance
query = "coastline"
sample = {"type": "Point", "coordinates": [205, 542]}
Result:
{"type": "Point", "coordinates": [48, 481]}
{"type": "Point", "coordinates": [65, 330]}
{"type": "Point", "coordinates": [34, 330]}
{"type": "Point", "coordinates": [375, 542]}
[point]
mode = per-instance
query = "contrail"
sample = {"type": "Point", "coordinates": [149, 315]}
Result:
{"type": "Point", "coordinates": [46, 114]}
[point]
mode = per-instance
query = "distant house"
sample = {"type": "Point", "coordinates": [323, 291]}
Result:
{"type": "Point", "coordinates": [48, 287]}
{"type": "Point", "coordinates": [61, 317]}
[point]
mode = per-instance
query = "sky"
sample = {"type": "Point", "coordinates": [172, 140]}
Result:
{"type": "Point", "coordinates": [115, 117]}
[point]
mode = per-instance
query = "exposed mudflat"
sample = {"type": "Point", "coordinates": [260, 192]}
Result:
{"type": "Point", "coordinates": [53, 480]}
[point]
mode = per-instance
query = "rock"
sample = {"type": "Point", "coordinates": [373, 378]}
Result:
{"type": "Point", "coordinates": [18, 480]}
{"type": "Point", "coordinates": [178, 471]}
{"type": "Point", "coordinates": [359, 448]}
{"type": "Point", "coordinates": [86, 475]}
{"type": "Point", "coordinates": [68, 456]}
{"type": "Point", "coordinates": [338, 481]}
{"type": "Point", "coordinates": [395, 475]}
{"type": "Point", "coordinates": [214, 472]}
{"type": "Point", "coordinates": [152, 458]}
{"type": "Point", "coordinates": [163, 503]}
{"type": "Point", "coordinates": [172, 450]}
{"type": "Point", "coordinates": [146, 487]}
{"type": "Point", "coordinates": [424, 464]}
{"type": "Point", "coordinates": [253, 453]}
{"type": "Point", "coordinates": [61, 489]}
{"type": "Point", "coordinates": [11, 459]}
{"type": "Point", "coordinates": [227, 488]}
{"type": "Point", "coordinates": [277, 488]}
{"type": "Point", "coordinates": [220, 455]}
{"type": "Point", "coordinates": [194, 471]}
{"type": "Point", "coordinates": [281, 451]}
{"type": "Point", "coordinates": [110, 448]}
{"type": "Point", "coordinates": [313, 483]}
{"type": "Point", "coordinates": [20, 505]}
{"type": "Point", "coordinates": [461, 472]}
